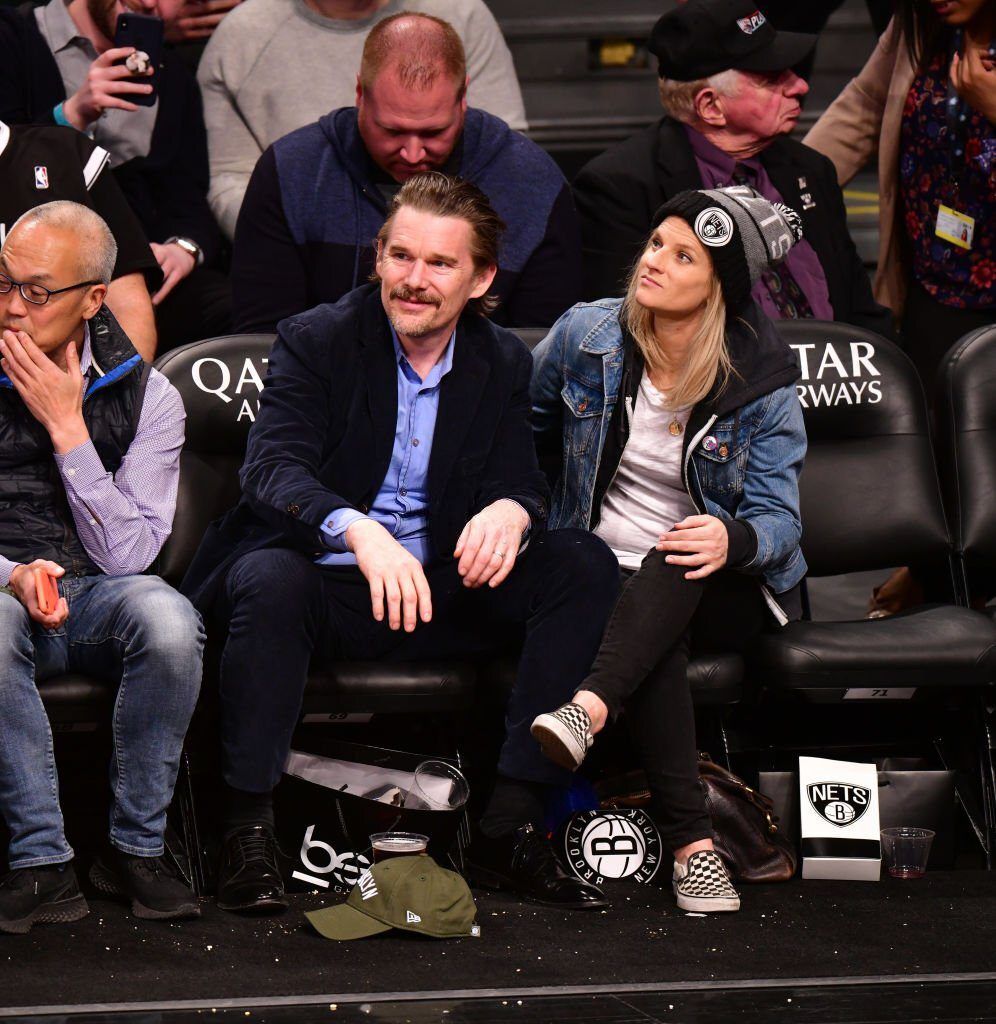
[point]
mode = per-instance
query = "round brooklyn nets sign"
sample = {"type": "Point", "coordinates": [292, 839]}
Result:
{"type": "Point", "coordinates": [612, 845]}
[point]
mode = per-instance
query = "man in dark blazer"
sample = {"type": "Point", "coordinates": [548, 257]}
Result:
{"type": "Point", "coordinates": [731, 100]}
{"type": "Point", "coordinates": [393, 508]}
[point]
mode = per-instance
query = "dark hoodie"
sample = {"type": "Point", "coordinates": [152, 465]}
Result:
{"type": "Point", "coordinates": [311, 211]}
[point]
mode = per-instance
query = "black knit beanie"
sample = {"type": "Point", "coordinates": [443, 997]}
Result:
{"type": "Point", "coordinates": [744, 233]}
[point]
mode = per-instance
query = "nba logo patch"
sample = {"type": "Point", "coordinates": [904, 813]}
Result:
{"type": "Point", "coordinates": [614, 845]}
{"type": "Point", "coordinates": [41, 177]}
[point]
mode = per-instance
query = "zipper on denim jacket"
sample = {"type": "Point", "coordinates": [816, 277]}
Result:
{"type": "Point", "coordinates": [692, 445]}
{"type": "Point", "coordinates": [627, 411]}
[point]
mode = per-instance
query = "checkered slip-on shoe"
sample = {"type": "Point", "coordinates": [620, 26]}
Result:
{"type": "Point", "coordinates": [564, 735]}
{"type": "Point", "coordinates": [703, 885]}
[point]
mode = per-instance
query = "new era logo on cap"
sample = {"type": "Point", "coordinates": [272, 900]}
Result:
{"type": "Point", "coordinates": [751, 23]}
{"type": "Point", "coordinates": [412, 918]}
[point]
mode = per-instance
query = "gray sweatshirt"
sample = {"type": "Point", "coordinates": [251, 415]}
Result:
{"type": "Point", "coordinates": [273, 66]}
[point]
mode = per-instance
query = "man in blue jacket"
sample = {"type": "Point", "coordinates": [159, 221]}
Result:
{"type": "Point", "coordinates": [319, 195]}
{"type": "Point", "coordinates": [392, 508]}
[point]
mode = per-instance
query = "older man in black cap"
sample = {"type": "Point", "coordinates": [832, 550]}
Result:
{"type": "Point", "coordinates": [731, 99]}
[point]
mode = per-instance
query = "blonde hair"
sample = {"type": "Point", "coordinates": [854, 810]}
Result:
{"type": "Point", "coordinates": [678, 98]}
{"type": "Point", "coordinates": [708, 357]}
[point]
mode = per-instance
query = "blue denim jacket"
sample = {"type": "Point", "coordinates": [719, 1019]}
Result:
{"type": "Point", "coordinates": [743, 447]}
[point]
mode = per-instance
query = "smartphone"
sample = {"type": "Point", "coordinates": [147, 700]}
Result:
{"type": "Point", "coordinates": [47, 590]}
{"type": "Point", "coordinates": [145, 33]}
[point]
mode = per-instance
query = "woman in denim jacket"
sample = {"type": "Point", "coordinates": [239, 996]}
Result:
{"type": "Point", "coordinates": [674, 415]}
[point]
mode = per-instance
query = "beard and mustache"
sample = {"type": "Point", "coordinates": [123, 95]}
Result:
{"type": "Point", "coordinates": [405, 294]}
{"type": "Point", "coordinates": [414, 325]}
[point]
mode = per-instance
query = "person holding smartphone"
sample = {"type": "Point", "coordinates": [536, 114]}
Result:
{"type": "Point", "coordinates": [61, 63]}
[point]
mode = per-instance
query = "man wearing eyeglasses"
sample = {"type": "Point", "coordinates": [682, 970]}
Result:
{"type": "Point", "coordinates": [90, 439]}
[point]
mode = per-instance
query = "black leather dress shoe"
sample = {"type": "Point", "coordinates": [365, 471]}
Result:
{"type": "Point", "coordinates": [524, 863]}
{"type": "Point", "coordinates": [249, 877]}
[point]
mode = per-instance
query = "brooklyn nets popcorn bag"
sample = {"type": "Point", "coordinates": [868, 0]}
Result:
{"type": "Point", "coordinates": [838, 817]}
{"type": "Point", "coordinates": [328, 807]}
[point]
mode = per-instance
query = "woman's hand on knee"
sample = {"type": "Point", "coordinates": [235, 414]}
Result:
{"type": "Point", "coordinates": [699, 542]}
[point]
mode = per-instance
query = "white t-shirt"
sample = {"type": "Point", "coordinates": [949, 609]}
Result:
{"type": "Point", "coordinates": [647, 496]}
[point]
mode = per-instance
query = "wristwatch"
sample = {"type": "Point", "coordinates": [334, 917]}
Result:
{"type": "Point", "coordinates": [187, 246]}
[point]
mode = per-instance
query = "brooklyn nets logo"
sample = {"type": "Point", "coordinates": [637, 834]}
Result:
{"type": "Point", "coordinates": [602, 845]}
{"type": "Point", "coordinates": [840, 803]}
{"type": "Point", "coordinates": [714, 227]}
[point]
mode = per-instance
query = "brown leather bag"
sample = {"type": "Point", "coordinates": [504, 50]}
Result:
{"type": "Point", "coordinates": [744, 829]}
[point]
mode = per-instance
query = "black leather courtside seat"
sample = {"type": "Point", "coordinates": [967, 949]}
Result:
{"type": "Point", "coordinates": [220, 380]}
{"type": "Point", "coordinates": [532, 336]}
{"type": "Point", "coordinates": [209, 480]}
{"type": "Point", "coordinates": [966, 431]}
{"type": "Point", "coordinates": [77, 703]}
{"type": "Point", "coordinates": [870, 500]}
{"type": "Point", "coordinates": [715, 679]}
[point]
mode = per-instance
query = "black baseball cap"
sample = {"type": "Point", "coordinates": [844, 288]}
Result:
{"type": "Point", "coordinates": [703, 37]}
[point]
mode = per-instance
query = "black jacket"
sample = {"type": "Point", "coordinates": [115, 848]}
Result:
{"type": "Point", "coordinates": [324, 434]}
{"type": "Point", "coordinates": [35, 518]}
{"type": "Point", "coordinates": [168, 188]}
{"type": "Point", "coordinates": [619, 191]}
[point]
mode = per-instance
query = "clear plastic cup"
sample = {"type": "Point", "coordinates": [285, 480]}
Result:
{"type": "Point", "coordinates": [906, 850]}
{"type": "Point", "coordinates": [386, 845]}
{"type": "Point", "coordinates": [437, 786]}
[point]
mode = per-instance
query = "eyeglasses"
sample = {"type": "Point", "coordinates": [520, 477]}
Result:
{"type": "Point", "coordinates": [37, 294]}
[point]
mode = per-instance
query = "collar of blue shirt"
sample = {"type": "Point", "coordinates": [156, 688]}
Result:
{"type": "Point", "coordinates": [443, 365]}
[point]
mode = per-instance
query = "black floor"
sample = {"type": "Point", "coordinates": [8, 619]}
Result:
{"type": "Point", "coordinates": [941, 925]}
{"type": "Point", "coordinates": [872, 1002]}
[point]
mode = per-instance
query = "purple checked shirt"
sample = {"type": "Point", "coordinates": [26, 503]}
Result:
{"type": "Point", "coordinates": [124, 520]}
{"type": "Point", "coordinates": [716, 171]}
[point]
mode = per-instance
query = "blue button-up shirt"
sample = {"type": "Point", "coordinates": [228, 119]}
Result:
{"type": "Point", "coordinates": [401, 505]}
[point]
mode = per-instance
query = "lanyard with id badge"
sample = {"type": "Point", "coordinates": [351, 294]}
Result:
{"type": "Point", "coordinates": [953, 225]}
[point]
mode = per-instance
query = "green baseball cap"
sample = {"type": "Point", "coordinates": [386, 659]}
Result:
{"type": "Point", "coordinates": [412, 893]}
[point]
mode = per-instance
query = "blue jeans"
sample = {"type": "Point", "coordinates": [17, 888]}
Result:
{"type": "Point", "coordinates": [137, 632]}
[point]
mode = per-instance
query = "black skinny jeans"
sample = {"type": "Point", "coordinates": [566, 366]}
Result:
{"type": "Point", "coordinates": [642, 666]}
{"type": "Point", "coordinates": [283, 611]}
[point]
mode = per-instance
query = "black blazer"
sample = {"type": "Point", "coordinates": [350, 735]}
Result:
{"type": "Point", "coordinates": [324, 434]}
{"type": "Point", "coordinates": [619, 191]}
{"type": "Point", "coordinates": [167, 189]}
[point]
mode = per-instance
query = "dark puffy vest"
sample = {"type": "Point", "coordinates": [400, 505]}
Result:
{"type": "Point", "coordinates": [35, 518]}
